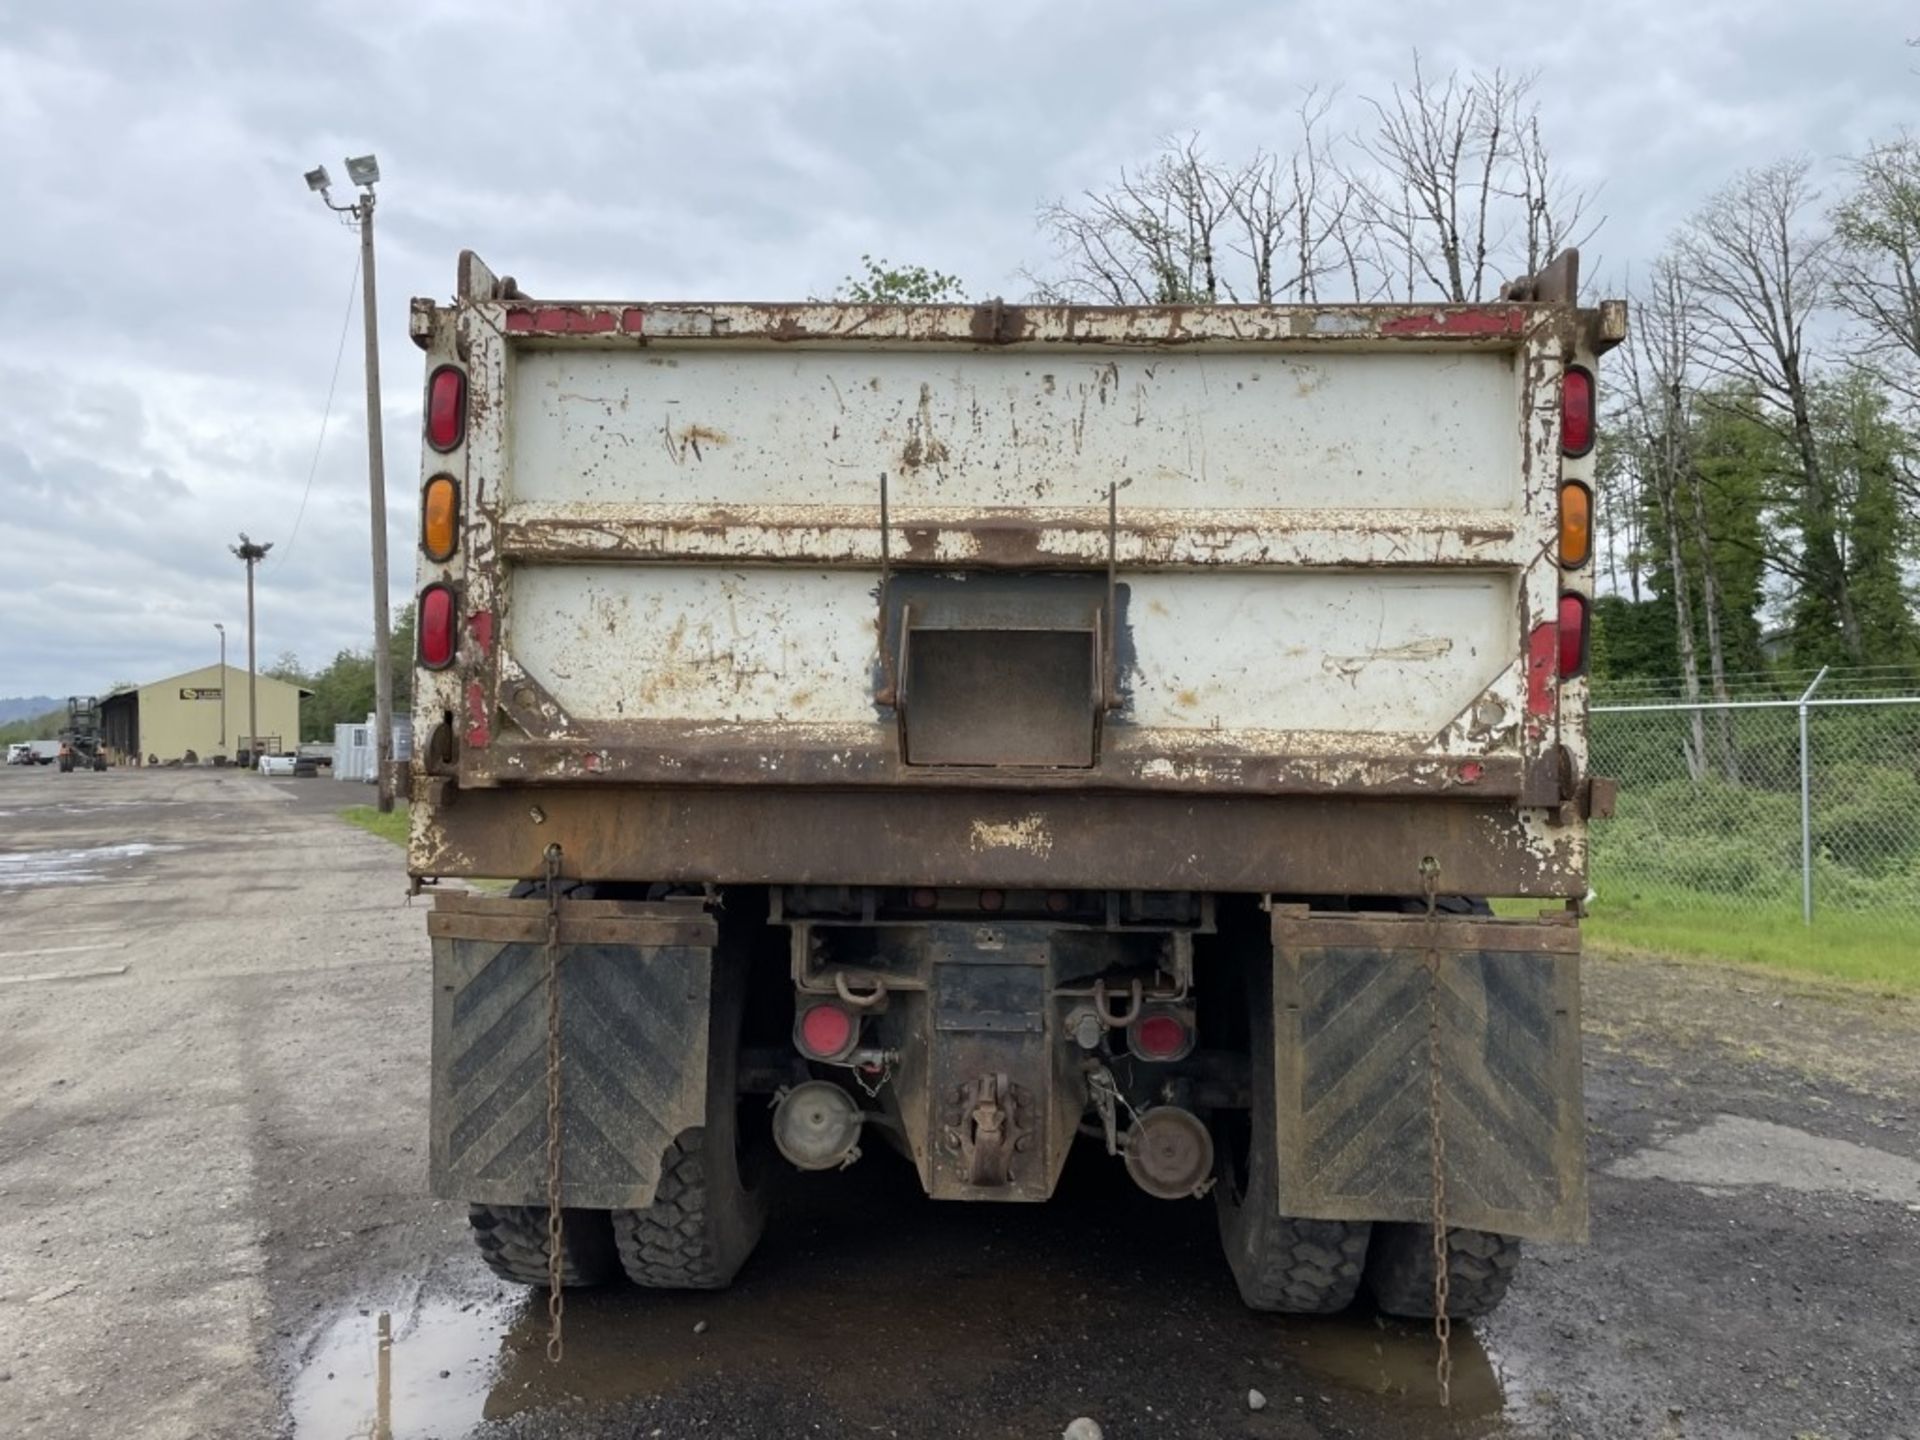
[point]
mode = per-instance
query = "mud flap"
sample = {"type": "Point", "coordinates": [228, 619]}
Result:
{"type": "Point", "coordinates": [1351, 997]}
{"type": "Point", "coordinates": [635, 981]}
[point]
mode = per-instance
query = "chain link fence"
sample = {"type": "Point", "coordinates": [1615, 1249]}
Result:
{"type": "Point", "coordinates": [1799, 793]}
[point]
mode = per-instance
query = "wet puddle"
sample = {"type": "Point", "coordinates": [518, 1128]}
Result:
{"type": "Point", "coordinates": [436, 1372]}
{"type": "Point", "coordinates": [23, 868]}
{"type": "Point", "coordinates": [1395, 1361]}
{"type": "Point", "coordinates": [872, 1306]}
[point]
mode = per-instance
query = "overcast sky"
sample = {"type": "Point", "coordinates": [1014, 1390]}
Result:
{"type": "Point", "coordinates": [171, 296]}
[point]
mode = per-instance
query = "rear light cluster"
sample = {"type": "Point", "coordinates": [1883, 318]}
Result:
{"type": "Point", "coordinates": [1161, 1033]}
{"type": "Point", "coordinates": [436, 622]}
{"type": "Point", "coordinates": [446, 408]}
{"type": "Point", "coordinates": [438, 613]}
{"type": "Point", "coordinates": [825, 1031]}
{"type": "Point", "coordinates": [1577, 429]}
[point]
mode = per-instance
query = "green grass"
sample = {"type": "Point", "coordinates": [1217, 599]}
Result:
{"type": "Point", "coordinates": [1879, 948]}
{"type": "Point", "coordinates": [388, 827]}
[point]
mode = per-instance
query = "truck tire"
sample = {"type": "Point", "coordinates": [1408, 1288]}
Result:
{"type": "Point", "coordinates": [512, 1240]}
{"type": "Point", "coordinates": [1280, 1263]}
{"type": "Point", "coordinates": [1400, 1270]}
{"type": "Point", "coordinates": [708, 1212]}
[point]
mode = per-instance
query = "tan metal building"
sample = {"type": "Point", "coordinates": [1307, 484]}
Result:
{"type": "Point", "coordinates": [200, 712]}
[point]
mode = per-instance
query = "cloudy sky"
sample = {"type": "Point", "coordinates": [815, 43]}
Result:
{"type": "Point", "coordinates": [171, 297]}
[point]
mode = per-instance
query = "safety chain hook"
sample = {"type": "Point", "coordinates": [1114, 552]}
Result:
{"type": "Point", "coordinates": [556, 1303]}
{"type": "Point", "coordinates": [1442, 1322]}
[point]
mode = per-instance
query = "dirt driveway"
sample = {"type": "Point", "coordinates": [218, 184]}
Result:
{"type": "Point", "coordinates": [212, 1166]}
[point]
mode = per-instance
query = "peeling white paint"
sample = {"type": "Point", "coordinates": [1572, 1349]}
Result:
{"type": "Point", "coordinates": [1029, 834]}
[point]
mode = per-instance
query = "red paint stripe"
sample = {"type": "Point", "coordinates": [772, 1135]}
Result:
{"type": "Point", "coordinates": [480, 624]}
{"type": "Point", "coordinates": [634, 322]}
{"type": "Point", "coordinates": [1505, 320]}
{"type": "Point", "coordinates": [479, 727]}
{"type": "Point", "coordinates": [1543, 667]}
{"type": "Point", "coordinates": [561, 320]}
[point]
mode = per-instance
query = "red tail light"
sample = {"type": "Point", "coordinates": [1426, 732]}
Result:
{"type": "Point", "coordinates": [436, 627]}
{"type": "Point", "coordinates": [826, 1032]}
{"type": "Point", "coordinates": [446, 408]}
{"type": "Point", "coordinates": [1576, 411]}
{"type": "Point", "coordinates": [1160, 1035]}
{"type": "Point", "coordinates": [1573, 635]}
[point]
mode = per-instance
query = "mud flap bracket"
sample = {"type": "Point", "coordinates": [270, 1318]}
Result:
{"type": "Point", "coordinates": [635, 984]}
{"type": "Point", "coordinates": [1351, 1038]}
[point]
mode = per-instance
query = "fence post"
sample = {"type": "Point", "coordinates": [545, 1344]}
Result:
{"type": "Point", "coordinates": [1806, 807]}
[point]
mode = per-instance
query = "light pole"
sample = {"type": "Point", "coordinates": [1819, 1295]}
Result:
{"type": "Point", "coordinates": [223, 685]}
{"type": "Point", "coordinates": [364, 171]}
{"type": "Point", "coordinates": [251, 553]}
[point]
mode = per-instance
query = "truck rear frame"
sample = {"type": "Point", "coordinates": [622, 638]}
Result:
{"type": "Point", "coordinates": [996, 733]}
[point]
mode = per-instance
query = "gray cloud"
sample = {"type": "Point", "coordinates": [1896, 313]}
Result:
{"type": "Point", "coordinates": [170, 295]}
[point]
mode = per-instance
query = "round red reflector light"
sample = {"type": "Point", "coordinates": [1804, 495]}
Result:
{"type": "Point", "coordinates": [826, 1032]}
{"type": "Point", "coordinates": [446, 408]}
{"type": "Point", "coordinates": [1159, 1037]}
{"type": "Point", "coordinates": [1576, 412]}
{"type": "Point", "coordinates": [436, 627]}
{"type": "Point", "coordinates": [1573, 635]}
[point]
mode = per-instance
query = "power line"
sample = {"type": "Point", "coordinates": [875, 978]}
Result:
{"type": "Point", "coordinates": [327, 413]}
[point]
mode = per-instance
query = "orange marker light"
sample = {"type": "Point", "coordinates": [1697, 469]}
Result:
{"type": "Point", "coordinates": [1576, 524]}
{"type": "Point", "coordinates": [440, 512]}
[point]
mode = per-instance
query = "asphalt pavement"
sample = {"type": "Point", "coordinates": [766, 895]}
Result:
{"type": "Point", "coordinates": [213, 1036]}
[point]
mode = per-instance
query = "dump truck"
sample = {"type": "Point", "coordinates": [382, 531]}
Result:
{"type": "Point", "coordinates": [960, 735]}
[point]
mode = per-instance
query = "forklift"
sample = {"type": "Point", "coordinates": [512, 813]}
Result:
{"type": "Point", "coordinates": [80, 738]}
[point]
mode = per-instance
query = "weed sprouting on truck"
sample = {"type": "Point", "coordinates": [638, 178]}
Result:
{"type": "Point", "coordinates": [979, 730]}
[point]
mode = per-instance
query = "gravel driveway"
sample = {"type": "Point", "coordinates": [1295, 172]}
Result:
{"type": "Point", "coordinates": [212, 1187]}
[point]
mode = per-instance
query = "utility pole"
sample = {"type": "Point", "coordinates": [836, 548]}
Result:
{"type": "Point", "coordinates": [251, 554]}
{"type": "Point", "coordinates": [364, 171]}
{"type": "Point", "coordinates": [223, 685]}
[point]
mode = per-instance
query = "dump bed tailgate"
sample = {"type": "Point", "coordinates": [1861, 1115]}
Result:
{"type": "Point", "coordinates": [1268, 550]}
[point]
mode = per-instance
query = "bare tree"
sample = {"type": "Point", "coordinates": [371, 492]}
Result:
{"type": "Point", "coordinates": [1449, 192]}
{"type": "Point", "coordinates": [1759, 275]}
{"type": "Point", "coordinates": [1660, 382]}
{"type": "Point", "coordinates": [1877, 268]}
{"type": "Point", "coordinates": [1458, 191]}
{"type": "Point", "coordinates": [1185, 229]}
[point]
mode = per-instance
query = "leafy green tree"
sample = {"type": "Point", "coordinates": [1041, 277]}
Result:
{"type": "Point", "coordinates": [883, 283]}
{"type": "Point", "coordinates": [1866, 453]}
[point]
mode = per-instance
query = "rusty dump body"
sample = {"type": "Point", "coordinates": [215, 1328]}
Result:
{"type": "Point", "coordinates": [1009, 657]}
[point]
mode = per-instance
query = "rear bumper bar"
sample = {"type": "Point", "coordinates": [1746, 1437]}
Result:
{"type": "Point", "coordinates": [780, 835]}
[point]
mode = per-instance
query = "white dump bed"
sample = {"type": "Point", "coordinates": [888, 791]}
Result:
{"type": "Point", "coordinates": [1270, 549]}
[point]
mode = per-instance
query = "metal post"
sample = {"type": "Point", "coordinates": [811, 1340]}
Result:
{"type": "Point", "coordinates": [1806, 807]}
{"type": "Point", "coordinates": [377, 499]}
{"type": "Point", "coordinates": [223, 685]}
{"type": "Point", "coordinates": [253, 699]}
{"type": "Point", "coordinates": [251, 552]}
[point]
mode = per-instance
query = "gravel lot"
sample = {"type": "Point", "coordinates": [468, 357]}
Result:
{"type": "Point", "coordinates": [212, 1174]}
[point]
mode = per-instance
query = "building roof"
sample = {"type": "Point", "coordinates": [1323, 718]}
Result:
{"type": "Point", "coordinates": [204, 670]}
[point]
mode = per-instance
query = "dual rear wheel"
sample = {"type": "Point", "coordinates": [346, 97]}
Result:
{"type": "Point", "coordinates": [1317, 1267]}
{"type": "Point", "coordinates": [708, 1209]}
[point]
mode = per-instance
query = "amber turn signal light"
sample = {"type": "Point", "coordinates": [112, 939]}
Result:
{"type": "Point", "coordinates": [439, 518]}
{"type": "Point", "coordinates": [1576, 524]}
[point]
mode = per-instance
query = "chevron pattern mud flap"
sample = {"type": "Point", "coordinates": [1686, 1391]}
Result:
{"type": "Point", "coordinates": [1351, 1027]}
{"type": "Point", "coordinates": [634, 986]}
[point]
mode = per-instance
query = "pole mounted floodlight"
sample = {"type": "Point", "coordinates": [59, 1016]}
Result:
{"type": "Point", "coordinates": [364, 171]}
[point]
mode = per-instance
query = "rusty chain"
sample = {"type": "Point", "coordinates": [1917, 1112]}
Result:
{"type": "Point", "coordinates": [1442, 1322]}
{"type": "Point", "coordinates": [556, 1303]}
